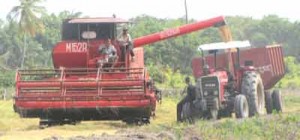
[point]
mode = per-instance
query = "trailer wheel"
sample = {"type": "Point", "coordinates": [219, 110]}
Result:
{"type": "Point", "coordinates": [253, 88]}
{"type": "Point", "coordinates": [277, 100]}
{"type": "Point", "coordinates": [268, 100]}
{"type": "Point", "coordinates": [241, 106]}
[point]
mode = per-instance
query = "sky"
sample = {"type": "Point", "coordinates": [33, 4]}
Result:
{"type": "Point", "coordinates": [197, 9]}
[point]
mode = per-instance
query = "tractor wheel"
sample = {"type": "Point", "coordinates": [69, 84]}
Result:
{"type": "Point", "coordinates": [241, 106]}
{"type": "Point", "coordinates": [268, 100]}
{"type": "Point", "coordinates": [253, 88]}
{"type": "Point", "coordinates": [277, 100]}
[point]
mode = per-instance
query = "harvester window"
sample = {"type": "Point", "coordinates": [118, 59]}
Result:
{"type": "Point", "coordinates": [70, 32]}
{"type": "Point", "coordinates": [79, 31]}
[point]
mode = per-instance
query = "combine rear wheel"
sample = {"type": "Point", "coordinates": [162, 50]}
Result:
{"type": "Point", "coordinates": [241, 106]}
{"type": "Point", "coordinates": [277, 100]}
{"type": "Point", "coordinates": [253, 88]}
{"type": "Point", "coordinates": [269, 103]}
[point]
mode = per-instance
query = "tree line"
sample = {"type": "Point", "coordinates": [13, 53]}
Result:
{"type": "Point", "coordinates": [26, 40]}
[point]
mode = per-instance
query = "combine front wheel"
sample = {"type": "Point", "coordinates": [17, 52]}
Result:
{"type": "Point", "coordinates": [253, 88]}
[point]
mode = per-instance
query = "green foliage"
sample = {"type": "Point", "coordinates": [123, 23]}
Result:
{"type": "Point", "coordinates": [26, 14]}
{"type": "Point", "coordinates": [166, 77]}
{"type": "Point", "coordinates": [165, 59]}
{"type": "Point", "coordinates": [292, 77]}
{"type": "Point", "coordinates": [39, 47]}
{"type": "Point", "coordinates": [7, 79]}
{"type": "Point", "coordinates": [173, 79]}
{"type": "Point", "coordinates": [156, 73]}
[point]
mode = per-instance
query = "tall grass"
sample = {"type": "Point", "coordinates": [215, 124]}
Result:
{"type": "Point", "coordinates": [9, 120]}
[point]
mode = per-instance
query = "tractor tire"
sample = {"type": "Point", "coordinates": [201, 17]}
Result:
{"type": "Point", "coordinates": [277, 100]}
{"type": "Point", "coordinates": [268, 101]}
{"type": "Point", "coordinates": [253, 88]}
{"type": "Point", "coordinates": [241, 106]}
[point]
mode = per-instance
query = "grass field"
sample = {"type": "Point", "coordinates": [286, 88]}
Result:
{"type": "Point", "coordinates": [275, 126]}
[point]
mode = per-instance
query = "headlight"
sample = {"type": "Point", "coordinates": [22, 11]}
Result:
{"type": "Point", "coordinates": [205, 93]}
{"type": "Point", "coordinates": [216, 92]}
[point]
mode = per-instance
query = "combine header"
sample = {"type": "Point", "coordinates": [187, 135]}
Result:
{"type": "Point", "coordinates": [81, 89]}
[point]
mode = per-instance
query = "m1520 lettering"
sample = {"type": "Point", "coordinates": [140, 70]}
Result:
{"type": "Point", "coordinates": [76, 47]}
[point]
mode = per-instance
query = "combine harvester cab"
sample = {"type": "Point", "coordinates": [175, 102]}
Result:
{"type": "Point", "coordinates": [79, 88]}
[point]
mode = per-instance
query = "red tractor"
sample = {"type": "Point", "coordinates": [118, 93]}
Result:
{"type": "Point", "coordinates": [238, 80]}
{"type": "Point", "coordinates": [82, 88]}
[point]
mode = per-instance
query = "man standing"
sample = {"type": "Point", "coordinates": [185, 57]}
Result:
{"type": "Point", "coordinates": [126, 44]}
{"type": "Point", "coordinates": [190, 90]}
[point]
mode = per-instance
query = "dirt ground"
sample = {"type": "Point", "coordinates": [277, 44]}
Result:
{"type": "Point", "coordinates": [121, 135]}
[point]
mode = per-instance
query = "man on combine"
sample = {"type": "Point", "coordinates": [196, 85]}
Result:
{"type": "Point", "coordinates": [126, 44]}
{"type": "Point", "coordinates": [110, 52]}
{"type": "Point", "coordinates": [190, 90]}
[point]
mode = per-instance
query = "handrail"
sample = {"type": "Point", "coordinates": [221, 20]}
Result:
{"type": "Point", "coordinates": [62, 83]}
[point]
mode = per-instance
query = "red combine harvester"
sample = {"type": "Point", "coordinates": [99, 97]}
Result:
{"type": "Point", "coordinates": [235, 81]}
{"type": "Point", "coordinates": [79, 88]}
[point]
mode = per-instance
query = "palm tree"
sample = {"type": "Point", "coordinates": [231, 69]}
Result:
{"type": "Point", "coordinates": [26, 14]}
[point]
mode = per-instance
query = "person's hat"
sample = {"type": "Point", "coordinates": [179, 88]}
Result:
{"type": "Point", "coordinates": [187, 79]}
{"type": "Point", "coordinates": [125, 28]}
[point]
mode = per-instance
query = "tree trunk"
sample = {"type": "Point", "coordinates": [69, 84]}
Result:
{"type": "Point", "coordinates": [24, 51]}
{"type": "Point", "coordinates": [4, 94]}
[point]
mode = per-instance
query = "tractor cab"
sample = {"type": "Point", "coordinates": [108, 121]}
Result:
{"type": "Point", "coordinates": [226, 49]}
{"type": "Point", "coordinates": [82, 39]}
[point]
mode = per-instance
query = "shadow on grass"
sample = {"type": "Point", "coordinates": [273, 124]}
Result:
{"type": "Point", "coordinates": [113, 124]}
{"type": "Point", "coordinates": [32, 127]}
